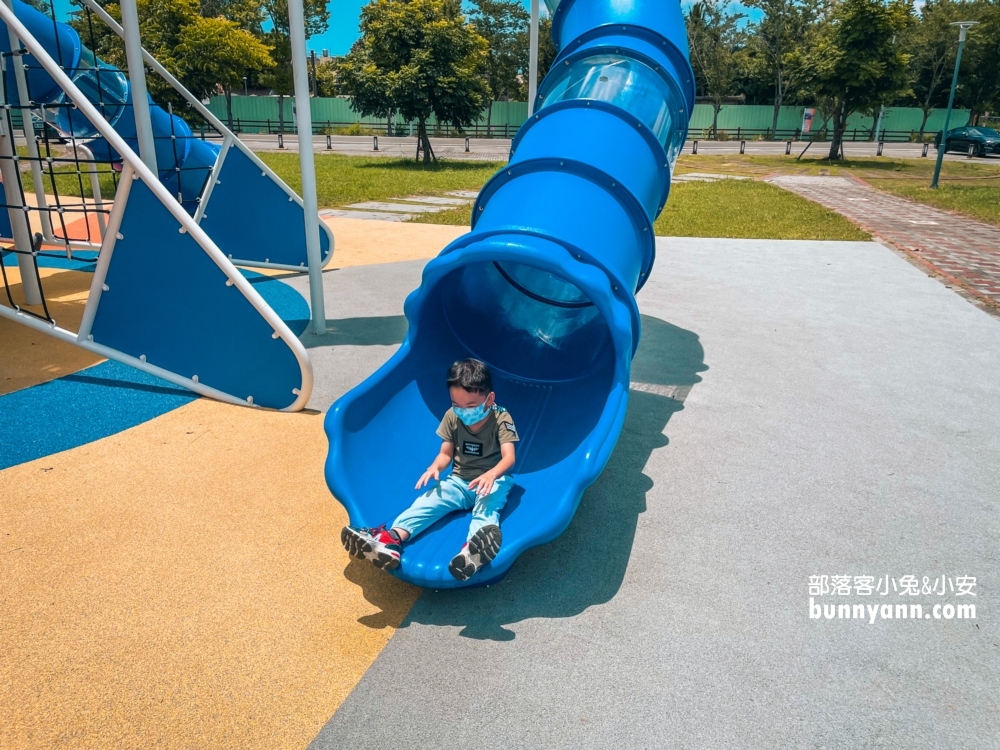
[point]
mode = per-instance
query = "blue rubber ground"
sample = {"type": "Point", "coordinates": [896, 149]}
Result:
{"type": "Point", "coordinates": [110, 397]}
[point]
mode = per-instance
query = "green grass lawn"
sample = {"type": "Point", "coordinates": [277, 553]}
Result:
{"type": "Point", "coordinates": [970, 188]}
{"type": "Point", "coordinates": [749, 209]}
{"type": "Point", "coordinates": [979, 199]}
{"type": "Point", "coordinates": [351, 179]}
{"type": "Point", "coordinates": [728, 208]}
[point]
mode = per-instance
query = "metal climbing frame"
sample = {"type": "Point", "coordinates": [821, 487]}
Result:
{"type": "Point", "coordinates": [75, 107]}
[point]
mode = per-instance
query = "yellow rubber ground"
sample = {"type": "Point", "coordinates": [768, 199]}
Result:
{"type": "Point", "coordinates": [182, 583]}
{"type": "Point", "coordinates": [29, 357]}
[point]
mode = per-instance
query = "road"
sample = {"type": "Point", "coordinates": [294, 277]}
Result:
{"type": "Point", "coordinates": [497, 149]}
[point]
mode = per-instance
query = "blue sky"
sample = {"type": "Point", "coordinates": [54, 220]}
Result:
{"type": "Point", "coordinates": [344, 25]}
{"type": "Point", "coordinates": [343, 29]}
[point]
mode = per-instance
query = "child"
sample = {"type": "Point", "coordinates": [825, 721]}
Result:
{"type": "Point", "coordinates": [479, 436]}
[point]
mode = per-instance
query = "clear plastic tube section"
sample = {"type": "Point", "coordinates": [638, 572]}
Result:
{"type": "Point", "coordinates": [104, 86]}
{"type": "Point", "coordinates": [626, 83]}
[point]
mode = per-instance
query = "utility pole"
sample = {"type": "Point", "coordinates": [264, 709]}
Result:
{"type": "Point", "coordinates": [963, 30]}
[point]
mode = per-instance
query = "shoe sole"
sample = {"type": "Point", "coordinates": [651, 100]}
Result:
{"type": "Point", "coordinates": [359, 547]}
{"type": "Point", "coordinates": [482, 549]}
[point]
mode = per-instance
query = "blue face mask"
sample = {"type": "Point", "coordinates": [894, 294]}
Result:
{"type": "Point", "coordinates": [472, 414]}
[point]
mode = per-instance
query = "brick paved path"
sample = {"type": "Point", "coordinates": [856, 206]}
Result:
{"type": "Point", "coordinates": [964, 251]}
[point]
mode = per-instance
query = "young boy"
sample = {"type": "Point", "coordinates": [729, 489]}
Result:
{"type": "Point", "coordinates": [479, 437]}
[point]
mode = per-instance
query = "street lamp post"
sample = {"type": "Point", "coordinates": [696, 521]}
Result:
{"type": "Point", "coordinates": [246, 91]}
{"type": "Point", "coordinates": [963, 30]}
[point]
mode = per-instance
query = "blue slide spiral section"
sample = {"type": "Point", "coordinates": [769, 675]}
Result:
{"type": "Point", "coordinates": [184, 162]}
{"type": "Point", "coordinates": [542, 289]}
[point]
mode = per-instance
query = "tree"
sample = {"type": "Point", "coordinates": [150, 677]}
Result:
{"type": "Point", "coordinates": [979, 78]}
{"type": "Point", "coordinates": [280, 78]}
{"type": "Point", "coordinates": [933, 44]}
{"type": "Point", "coordinates": [316, 16]}
{"type": "Point", "coordinates": [327, 81]}
{"type": "Point", "coordinates": [216, 52]}
{"type": "Point", "coordinates": [717, 51]}
{"type": "Point", "coordinates": [779, 32]}
{"type": "Point", "coordinates": [546, 54]}
{"type": "Point", "coordinates": [501, 23]}
{"type": "Point", "coordinates": [203, 53]}
{"type": "Point", "coordinates": [420, 58]}
{"type": "Point", "coordinates": [249, 15]}
{"type": "Point", "coordinates": [853, 60]}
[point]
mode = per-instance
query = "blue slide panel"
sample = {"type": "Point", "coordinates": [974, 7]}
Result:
{"type": "Point", "coordinates": [167, 300]}
{"type": "Point", "coordinates": [254, 235]}
{"type": "Point", "coordinates": [542, 289]}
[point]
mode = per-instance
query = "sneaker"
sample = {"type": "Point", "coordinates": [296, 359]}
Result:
{"type": "Point", "coordinates": [376, 545]}
{"type": "Point", "coordinates": [478, 551]}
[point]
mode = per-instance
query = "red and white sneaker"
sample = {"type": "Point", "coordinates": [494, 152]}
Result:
{"type": "Point", "coordinates": [376, 545]}
{"type": "Point", "coordinates": [478, 551]}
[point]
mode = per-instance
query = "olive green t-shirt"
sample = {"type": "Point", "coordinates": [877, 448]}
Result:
{"type": "Point", "coordinates": [477, 452]}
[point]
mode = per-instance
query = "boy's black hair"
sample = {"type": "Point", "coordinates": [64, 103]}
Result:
{"type": "Point", "coordinates": [471, 375]}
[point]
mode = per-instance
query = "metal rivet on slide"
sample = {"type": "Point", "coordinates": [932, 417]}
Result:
{"type": "Point", "coordinates": [90, 337]}
{"type": "Point", "coordinates": [194, 378]}
{"type": "Point", "coordinates": [120, 236]}
{"type": "Point", "coordinates": [263, 174]}
{"type": "Point", "coordinates": [296, 391]}
{"type": "Point", "coordinates": [182, 230]}
{"type": "Point", "coordinates": [142, 357]}
{"type": "Point", "coordinates": [274, 335]}
{"type": "Point", "coordinates": [105, 288]}
{"type": "Point", "coordinates": [229, 282]}
{"type": "Point", "coordinates": [250, 400]}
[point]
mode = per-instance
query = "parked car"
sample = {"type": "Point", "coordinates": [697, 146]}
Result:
{"type": "Point", "coordinates": [983, 140]}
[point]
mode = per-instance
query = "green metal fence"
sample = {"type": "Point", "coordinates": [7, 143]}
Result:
{"type": "Point", "coordinates": [262, 114]}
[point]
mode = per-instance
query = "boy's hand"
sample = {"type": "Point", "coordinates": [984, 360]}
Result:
{"type": "Point", "coordinates": [427, 476]}
{"type": "Point", "coordinates": [483, 484]}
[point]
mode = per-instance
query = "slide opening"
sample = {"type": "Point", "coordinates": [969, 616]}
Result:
{"type": "Point", "coordinates": [529, 322]}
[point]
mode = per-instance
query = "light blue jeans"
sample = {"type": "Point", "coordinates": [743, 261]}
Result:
{"type": "Point", "coordinates": [451, 494]}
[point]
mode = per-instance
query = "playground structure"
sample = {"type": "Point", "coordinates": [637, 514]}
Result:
{"type": "Point", "coordinates": [542, 289]}
{"type": "Point", "coordinates": [166, 296]}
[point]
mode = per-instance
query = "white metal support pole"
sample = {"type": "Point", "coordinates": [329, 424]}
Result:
{"type": "Point", "coordinates": [137, 77]}
{"type": "Point", "coordinates": [307, 162]}
{"type": "Point", "coordinates": [18, 216]}
{"type": "Point", "coordinates": [29, 133]}
{"type": "Point", "coordinates": [533, 58]}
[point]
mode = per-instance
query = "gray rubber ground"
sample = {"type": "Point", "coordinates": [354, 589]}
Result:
{"type": "Point", "coordinates": [842, 420]}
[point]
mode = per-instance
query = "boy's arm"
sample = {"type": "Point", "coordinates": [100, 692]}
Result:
{"type": "Point", "coordinates": [484, 482]}
{"type": "Point", "coordinates": [439, 464]}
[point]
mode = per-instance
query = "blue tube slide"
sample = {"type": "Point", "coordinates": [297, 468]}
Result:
{"type": "Point", "coordinates": [542, 289]}
{"type": "Point", "coordinates": [183, 161]}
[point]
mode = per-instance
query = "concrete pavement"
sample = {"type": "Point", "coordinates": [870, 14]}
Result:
{"type": "Point", "coordinates": [839, 419]}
